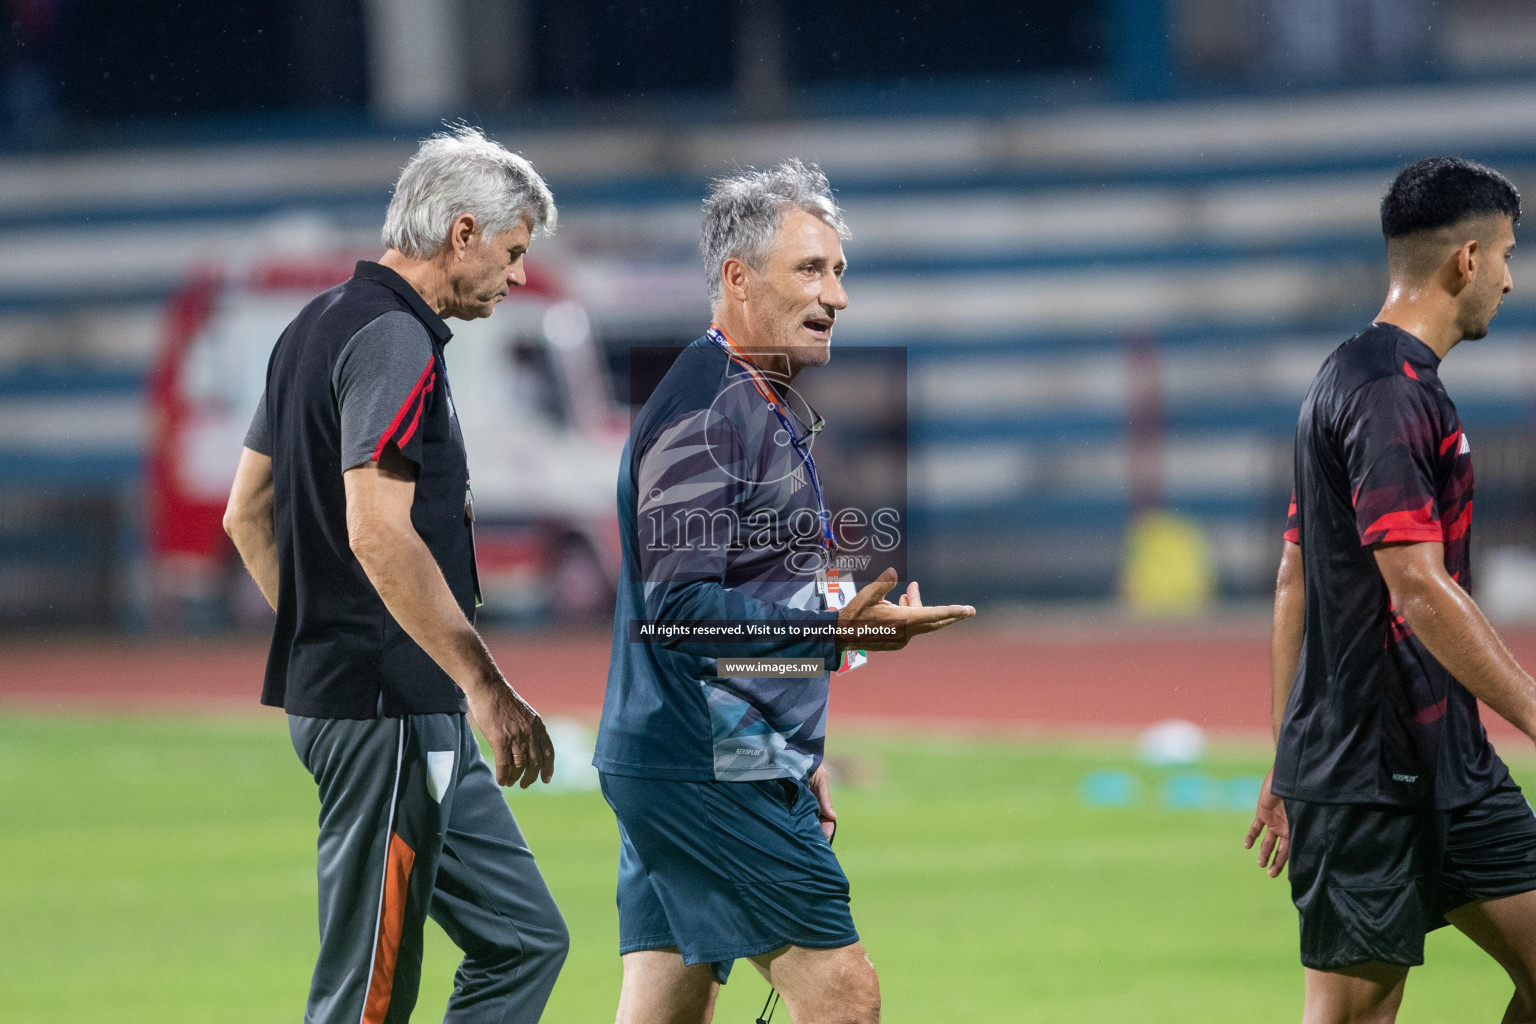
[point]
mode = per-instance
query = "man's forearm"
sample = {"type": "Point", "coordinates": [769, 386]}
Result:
{"type": "Point", "coordinates": [413, 589]}
{"type": "Point", "coordinates": [248, 520]}
{"type": "Point", "coordinates": [1452, 627]}
{"type": "Point", "coordinates": [1285, 638]}
{"type": "Point", "coordinates": [258, 550]}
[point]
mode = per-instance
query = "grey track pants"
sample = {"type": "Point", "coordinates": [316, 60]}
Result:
{"type": "Point", "coordinates": [412, 823]}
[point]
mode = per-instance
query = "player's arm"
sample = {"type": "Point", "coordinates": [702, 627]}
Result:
{"type": "Point", "coordinates": [1399, 437]}
{"type": "Point", "coordinates": [695, 471]}
{"type": "Point", "coordinates": [248, 521]}
{"type": "Point", "coordinates": [1285, 633]}
{"type": "Point", "coordinates": [1269, 818]}
{"type": "Point", "coordinates": [1452, 627]}
{"type": "Point", "coordinates": [684, 573]}
{"type": "Point", "coordinates": [408, 580]}
{"type": "Point", "coordinates": [382, 381]}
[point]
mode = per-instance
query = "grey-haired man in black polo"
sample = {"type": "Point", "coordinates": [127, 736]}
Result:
{"type": "Point", "coordinates": [351, 510]}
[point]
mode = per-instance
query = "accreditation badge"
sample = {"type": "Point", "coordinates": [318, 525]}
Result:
{"type": "Point", "coordinates": [839, 589]}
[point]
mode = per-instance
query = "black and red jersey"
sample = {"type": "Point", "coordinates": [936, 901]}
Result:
{"type": "Point", "coordinates": [1381, 458]}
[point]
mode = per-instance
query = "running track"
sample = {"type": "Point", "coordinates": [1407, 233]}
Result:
{"type": "Point", "coordinates": [1108, 676]}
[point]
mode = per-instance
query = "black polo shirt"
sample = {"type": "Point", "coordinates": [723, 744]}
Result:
{"type": "Point", "coordinates": [359, 370]}
{"type": "Point", "coordinates": [1381, 458]}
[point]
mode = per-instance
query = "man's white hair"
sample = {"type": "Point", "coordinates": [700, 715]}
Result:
{"type": "Point", "coordinates": [743, 210]}
{"type": "Point", "coordinates": [461, 171]}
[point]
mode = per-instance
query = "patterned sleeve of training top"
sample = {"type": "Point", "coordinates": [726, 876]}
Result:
{"type": "Point", "coordinates": [693, 482]}
{"type": "Point", "coordinates": [1390, 434]}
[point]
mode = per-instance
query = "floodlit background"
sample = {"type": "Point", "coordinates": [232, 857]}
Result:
{"type": "Point", "coordinates": [1109, 240]}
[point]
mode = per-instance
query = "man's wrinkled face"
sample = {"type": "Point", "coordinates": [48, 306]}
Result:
{"type": "Point", "coordinates": [797, 293]}
{"type": "Point", "coordinates": [487, 271]}
{"type": "Point", "coordinates": [1480, 302]}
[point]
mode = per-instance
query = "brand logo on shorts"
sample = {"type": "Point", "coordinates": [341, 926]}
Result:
{"type": "Point", "coordinates": [1396, 777]}
{"type": "Point", "coordinates": [439, 773]}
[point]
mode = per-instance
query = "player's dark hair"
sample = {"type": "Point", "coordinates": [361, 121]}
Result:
{"type": "Point", "coordinates": [1442, 191]}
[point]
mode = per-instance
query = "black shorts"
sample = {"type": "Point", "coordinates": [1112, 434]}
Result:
{"type": "Point", "coordinates": [1370, 882]}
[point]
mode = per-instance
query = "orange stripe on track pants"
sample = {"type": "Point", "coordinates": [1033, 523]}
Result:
{"type": "Point", "coordinates": [397, 876]}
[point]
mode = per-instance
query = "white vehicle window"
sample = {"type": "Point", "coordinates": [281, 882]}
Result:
{"type": "Point", "coordinates": [222, 380]}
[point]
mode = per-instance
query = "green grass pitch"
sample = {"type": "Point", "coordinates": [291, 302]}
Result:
{"type": "Point", "coordinates": [161, 870]}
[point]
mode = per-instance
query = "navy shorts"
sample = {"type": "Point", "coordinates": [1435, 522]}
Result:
{"type": "Point", "coordinates": [723, 870]}
{"type": "Point", "coordinates": [1370, 882]}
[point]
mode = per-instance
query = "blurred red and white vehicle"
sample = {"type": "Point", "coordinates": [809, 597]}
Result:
{"type": "Point", "coordinates": [532, 392]}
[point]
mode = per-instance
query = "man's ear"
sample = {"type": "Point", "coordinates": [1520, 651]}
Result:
{"type": "Point", "coordinates": [460, 233]}
{"type": "Point", "coordinates": [1465, 264]}
{"type": "Point", "coordinates": [734, 278]}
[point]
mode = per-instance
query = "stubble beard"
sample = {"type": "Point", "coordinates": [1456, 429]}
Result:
{"type": "Point", "coordinates": [799, 354]}
{"type": "Point", "coordinates": [1475, 328]}
{"type": "Point", "coordinates": [804, 354]}
{"type": "Point", "coordinates": [819, 354]}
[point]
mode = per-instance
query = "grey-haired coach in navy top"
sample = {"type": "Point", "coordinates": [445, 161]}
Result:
{"type": "Point", "coordinates": [351, 510]}
{"type": "Point", "coordinates": [723, 803]}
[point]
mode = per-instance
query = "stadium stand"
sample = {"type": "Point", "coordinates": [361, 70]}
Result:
{"type": "Point", "coordinates": [1041, 270]}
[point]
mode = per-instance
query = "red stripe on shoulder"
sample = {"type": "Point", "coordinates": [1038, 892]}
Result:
{"type": "Point", "coordinates": [1409, 524]}
{"type": "Point", "coordinates": [423, 382]}
{"type": "Point", "coordinates": [1445, 445]}
{"type": "Point", "coordinates": [1409, 370]}
{"type": "Point", "coordinates": [416, 419]}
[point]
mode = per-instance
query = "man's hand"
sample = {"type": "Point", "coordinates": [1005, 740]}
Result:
{"type": "Point", "coordinates": [909, 615]}
{"type": "Point", "coordinates": [820, 784]}
{"type": "Point", "coordinates": [515, 733]}
{"type": "Point", "coordinates": [1275, 850]}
